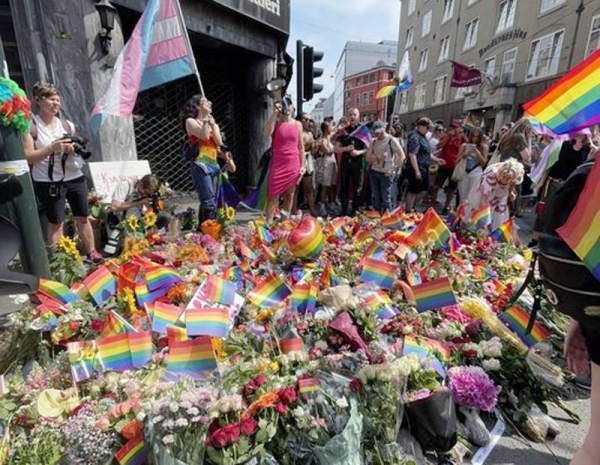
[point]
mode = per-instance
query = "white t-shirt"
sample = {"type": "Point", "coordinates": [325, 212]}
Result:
{"type": "Point", "coordinates": [123, 192]}
{"type": "Point", "coordinates": [46, 135]}
{"type": "Point", "coordinates": [385, 152]}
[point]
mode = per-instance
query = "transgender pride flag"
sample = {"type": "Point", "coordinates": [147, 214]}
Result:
{"type": "Point", "coordinates": [157, 52]}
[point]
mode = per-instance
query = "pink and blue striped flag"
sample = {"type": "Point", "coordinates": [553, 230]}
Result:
{"type": "Point", "coordinates": [157, 52]}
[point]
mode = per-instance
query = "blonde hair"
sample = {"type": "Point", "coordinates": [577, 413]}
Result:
{"type": "Point", "coordinates": [511, 167]}
{"type": "Point", "coordinates": [44, 90]}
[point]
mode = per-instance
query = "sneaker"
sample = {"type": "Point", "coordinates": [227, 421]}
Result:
{"type": "Point", "coordinates": [321, 210]}
{"type": "Point", "coordinates": [95, 257]}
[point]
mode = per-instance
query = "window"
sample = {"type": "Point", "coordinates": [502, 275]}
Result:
{"type": "Point", "coordinates": [471, 2]}
{"type": "Point", "coordinates": [508, 66]}
{"type": "Point", "coordinates": [545, 55]}
{"type": "Point", "coordinates": [366, 98]}
{"type": "Point", "coordinates": [420, 95]}
{"type": "Point", "coordinates": [426, 24]}
{"type": "Point", "coordinates": [357, 101]}
{"type": "Point", "coordinates": [439, 89]}
{"type": "Point", "coordinates": [423, 60]}
{"type": "Point", "coordinates": [358, 81]}
{"type": "Point", "coordinates": [373, 77]}
{"type": "Point", "coordinates": [448, 10]}
{"type": "Point", "coordinates": [506, 16]}
{"type": "Point", "coordinates": [461, 91]}
{"type": "Point", "coordinates": [390, 75]}
{"type": "Point", "coordinates": [348, 95]}
{"type": "Point", "coordinates": [490, 66]}
{"type": "Point", "coordinates": [370, 97]}
{"type": "Point", "coordinates": [412, 5]}
{"type": "Point", "coordinates": [594, 39]}
{"type": "Point", "coordinates": [444, 49]}
{"type": "Point", "coordinates": [404, 101]}
{"type": "Point", "coordinates": [471, 34]}
{"type": "Point", "coordinates": [550, 4]}
{"type": "Point", "coordinates": [410, 33]}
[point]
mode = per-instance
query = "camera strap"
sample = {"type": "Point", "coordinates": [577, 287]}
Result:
{"type": "Point", "coordinates": [63, 162]}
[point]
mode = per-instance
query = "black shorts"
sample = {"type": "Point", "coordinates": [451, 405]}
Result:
{"type": "Point", "coordinates": [416, 186]}
{"type": "Point", "coordinates": [442, 175]}
{"type": "Point", "coordinates": [592, 342]}
{"type": "Point", "coordinates": [53, 198]}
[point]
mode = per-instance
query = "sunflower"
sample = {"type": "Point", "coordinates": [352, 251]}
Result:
{"type": "Point", "coordinates": [132, 223]}
{"type": "Point", "coordinates": [69, 247]}
{"type": "Point", "coordinates": [129, 299]}
{"type": "Point", "coordinates": [139, 247]}
{"type": "Point", "coordinates": [230, 213]}
{"type": "Point", "coordinates": [217, 348]}
{"type": "Point", "coordinates": [150, 219]}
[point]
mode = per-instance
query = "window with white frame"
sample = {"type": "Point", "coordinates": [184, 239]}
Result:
{"type": "Point", "coordinates": [412, 5]}
{"type": "Point", "coordinates": [545, 55]}
{"type": "Point", "coordinates": [594, 39]}
{"type": "Point", "coordinates": [357, 101]}
{"type": "Point", "coordinates": [461, 91]}
{"type": "Point", "coordinates": [471, 2]}
{"type": "Point", "coordinates": [506, 15]}
{"type": "Point", "coordinates": [439, 89]}
{"type": "Point", "coordinates": [548, 5]}
{"type": "Point", "coordinates": [444, 49]}
{"type": "Point", "coordinates": [370, 97]}
{"type": "Point", "coordinates": [423, 57]}
{"type": "Point", "coordinates": [489, 66]}
{"type": "Point", "coordinates": [471, 34]}
{"type": "Point", "coordinates": [404, 101]}
{"type": "Point", "coordinates": [366, 98]}
{"type": "Point", "coordinates": [410, 34]}
{"type": "Point", "coordinates": [420, 91]}
{"type": "Point", "coordinates": [426, 29]}
{"type": "Point", "coordinates": [509, 60]}
{"type": "Point", "coordinates": [448, 10]}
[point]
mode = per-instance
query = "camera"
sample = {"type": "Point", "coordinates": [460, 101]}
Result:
{"type": "Point", "coordinates": [79, 145]}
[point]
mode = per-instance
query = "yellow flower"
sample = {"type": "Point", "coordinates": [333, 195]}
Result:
{"type": "Point", "coordinates": [217, 348]}
{"type": "Point", "coordinates": [132, 223]}
{"type": "Point", "coordinates": [265, 315]}
{"type": "Point", "coordinates": [129, 300]}
{"type": "Point", "coordinates": [274, 366]}
{"type": "Point", "coordinates": [230, 213]}
{"type": "Point", "coordinates": [139, 247]}
{"type": "Point", "coordinates": [69, 247]}
{"type": "Point", "coordinates": [527, 254]}
{"type": "Point", "coordinates": [150, 219]}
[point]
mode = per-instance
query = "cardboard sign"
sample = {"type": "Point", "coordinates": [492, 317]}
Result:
{"type": "Point", "coordinates": [107, 174]}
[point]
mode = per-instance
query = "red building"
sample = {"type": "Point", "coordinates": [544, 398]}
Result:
{"type": "Point", "coordinates": [361, 88]}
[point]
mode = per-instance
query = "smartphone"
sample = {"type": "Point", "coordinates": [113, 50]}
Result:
{"type": "Point", "coordinates": [284, 106]}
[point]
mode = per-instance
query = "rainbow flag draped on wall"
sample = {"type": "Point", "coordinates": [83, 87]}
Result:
{"type": "Point", "coordinates": [573, 102]}
{"type": "Point", "coordinates": [582, 230]}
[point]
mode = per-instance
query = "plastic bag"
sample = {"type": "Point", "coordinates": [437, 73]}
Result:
{"type": "Point", "coordinates": [345, 448]}
{"type": "Point", "coordinates": [476, 430]}
{"type": "Point", "coordinates": [536, 425]}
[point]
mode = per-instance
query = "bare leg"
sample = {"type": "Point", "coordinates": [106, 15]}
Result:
{"type": "Point", "coordinates": [271, 204]}
{"type": "Point", "coordinates": [288, 198]}
{"type": "Point", "coordinates": [307, 186]}
{"type": "Point", "coordinates": [589, 453]}
{"type": "Point", "coordinates": [55, 232]}
{"type": "Point", "coordinates": [449, 197]}
{"type": "Point", "coordinates": [84, 227]}
{"type": "Point", "coordinates": [410, 201]}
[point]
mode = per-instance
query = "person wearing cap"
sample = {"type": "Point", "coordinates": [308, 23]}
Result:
{"type": "Point", "coordinates": [419, 157]}
{"type": "Point", "coordinates": [449, 146]}
{"type": "Point", "coordinates": [385, 156]}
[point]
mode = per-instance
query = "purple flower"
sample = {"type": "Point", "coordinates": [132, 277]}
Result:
{"type": "Point", "coordinates": [472, 387]}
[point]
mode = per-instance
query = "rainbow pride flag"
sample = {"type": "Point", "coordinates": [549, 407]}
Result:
{"type": "Point", "coordinates": [336, 227]}
{"type": "Point", "coordinates": [329, 277]}
{"type": "Point", "coordinates": [218, 290]}
{"type": "Point", "coordinates": [413, 277]}
{"type": "Point", "coordinates": [234, 274]}
{"type": "Point", "coordinates": [207, 322]}
{"type": "Point", "coordinates": [80, 290]}
{"type": "Point", "coordinates": [263, 233]}
{"type": "Point", "coordinates": [371, 214]}
{"type": "Point", "coordinates": [268, 253]}
{"type": "Point", "coordinates": [517, 319]}
{"type": "Point", "coordinates": [362, 235]}
{"type": "Point", "coordinates": [114, 352]}
{"type": "Point", "coordinates": [573, 102]}
{"type": "Point", "coordinates": [164, 315]}
{"type": "Point", "coordinates": [140, 348]}
{"type": "Point", "coordinates": [308, 385]}
{"type": "Point", "coordinates": [101, 284]}
{"type": "Point", "coordinates": [431, 228]}
{"type": "Point", "coordinates": [269, 292]}
{"type": "Point", "coordinates": [295, 344]}
{"type": "Point", "coordinates": [581, 231]}
{"type": "Point", "coordinates": [176, 333]}
{"type": "Point", "coordinates": [394, 221]}
{"type": "Point", "coordinates": [57, 291]}
{"type": "Point", "coordinates": [378, 272]}
{"type": "Point", "coordinates": [134, 452]}
{"type": "Point", "coordinates": [159, 277]}
{"type": "Point", "coordinates": [482, 217]}
{"type": "Point", "coordinates": [504, 233]}
{"type": "Point", "coordinates": [246, 251]}
{"type": "Point", "coordinates": [413, 345]}
{"type": "Point", "coordinates": [403, 250]}
{"type": "Point", "coordinates": [304, 296]}
{"type": "Point", "coordinates": [192, 358]}
{"type": "Point", "coordinates": [381, 303]}
{"type": "Point", "coordinates": [143, 294]}
{"type": "Point", "coordinates": [374, 250]}
{"type": "Point", "coordinates": [81, 355]}
{"type": "Point", "coordinates": [112, 326]}
{"type": "Point", "coordinates": [434, 294]}
{"type": "Point", "coordinates": [469, 122]}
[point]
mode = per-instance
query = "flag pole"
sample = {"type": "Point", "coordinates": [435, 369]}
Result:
{"type": "Point", "coordinates": [189, 45]}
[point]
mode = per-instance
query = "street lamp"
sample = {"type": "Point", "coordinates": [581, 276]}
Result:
{"type": "Point", "coordinates": [107, 13]}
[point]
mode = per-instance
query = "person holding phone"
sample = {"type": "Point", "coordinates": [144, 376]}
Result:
{"type": "Point", "coordinates": [56, 170]}
{"type": "Point", "coordinates": [476, 152]}
{"type": "Point", "coordinates": [288, 161]}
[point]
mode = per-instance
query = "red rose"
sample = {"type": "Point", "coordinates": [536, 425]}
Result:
{"type": "Point", "coordinates": [214, 427]}
{"type": "Point", "coordinates": [356, 385]}
{"type": "Point", "coordinates": [281, 409]}
{"type": "Point", "coordinates": [96, 325]}
{"type": "Point", "coordinates": [473, 327]}
{"type": "Point", "coordinates": [470, 353]}
{"type": "Point", "coordinates": [73, 325]}
{"type": "Point", "coordinates": [218, 439]}
{"type": "Point", "coordinates": [163, 342]}
{"type": "Point", "coordinates": [232, 432]}
{"type": "Point", "coordinates": [260, 380]}
{"type": "Point", "coordinates": [287, 395]}
{"type": "Point", "coordinates": [248, 426]}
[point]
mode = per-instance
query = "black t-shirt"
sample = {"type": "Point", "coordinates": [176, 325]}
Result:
{"type": "Point", "coordinates": [346, 140]}
{"type": "Point", "coordinates": [569, 160]}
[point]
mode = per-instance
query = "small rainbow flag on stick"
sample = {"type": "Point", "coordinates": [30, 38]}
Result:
{"type": "Point", "coordinates": [374, 250]}
{"type": "Point", "coordinates": [159, 277]}
{"type": "Point", "coordinates": [295, 344]}
{"type": "Point", "coordinates": [378, 272]}
{"type": "Point", "coordinates": [101, 284]}
{"type": "Point", "coordinates": [193, 357]}
{"type": "Point", "coordinates": [246, 251]}
{"type": "Point", "coordinates": [140, 347]}
{"type": "Point", "coordinates": [144, 296]}
{"type": "Point", "coordinates": [176, 334]}
{"type": "Point", "coordinates": [81, 356]}
{"type": "Point", "coordinates": [269, 292]}
{"type": "Point", "coordinates": [581, 231]}
{"type": "Point", "coordinates": [430, 228]}
{"type": "Point", "coordinates": [504, 233]}
{"type": "Point", "coordinates": [114, 352]}
{"type": "Point", "coordinates": [304, 296]}
{"type": "Point", "coordinates": [424, 351]}
{"type": "Point", "coordinates": [263, 233]}
{"type": "Point", "coordinates": [308, 385]}
{"type": "Point", "coordinates": [329, 278]}
{"type": "Point", "coordinates": [165, 314]}
{"type": "Point", "coordinates": [371, 214]}
{"type": "Point", "coordinates": [218, 290]}
{"type": "Point", "coordinates": [394, 220]}
{"type": "Point", "coordinates": [207, 322]}
{"type": "Point", "coordinates": [57, 291]}
{"type": "Point", "coordinates": [134, 452]}
{"type": "Point", "coordinates": [482, 217]}
{"type": "Point", "coordinates": [381, 303]}
{"type": "Point", "coordinates": [112, 326]}
{"type": "Point", "coordinates": [434, 294]}
{"type": "Point", "coordinates": [516, 318]}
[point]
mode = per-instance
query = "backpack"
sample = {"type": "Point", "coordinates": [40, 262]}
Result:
{"type": "Point", "coordinates": [33, 130]}
{"type": "Point", "coordinates": [569, 285]}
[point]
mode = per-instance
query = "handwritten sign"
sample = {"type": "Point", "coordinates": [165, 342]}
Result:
{"type": "Point", "coordinates": [107, 174]}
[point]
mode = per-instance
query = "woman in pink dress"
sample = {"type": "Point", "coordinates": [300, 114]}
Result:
{"type": "Point", "coordinates": [287, 162]}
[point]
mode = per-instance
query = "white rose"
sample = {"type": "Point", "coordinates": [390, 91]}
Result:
{"type": "Point", "coordinates": [321, 345]}
{"type": "Point", "coordinates": [168, 439]}
{"type": "Point", "coordinates": [493, 364]}
{"type": "Point", "coordinates": [342, 402]}
{"type": "Point", "coordinates": [174, 407]}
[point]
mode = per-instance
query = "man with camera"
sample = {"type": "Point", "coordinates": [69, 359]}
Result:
{"type": "Point", "coordinates": [56, 156]}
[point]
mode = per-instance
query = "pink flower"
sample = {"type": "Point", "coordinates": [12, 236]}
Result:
{"type": "Point", "coordinates": [248, 426]}
{"type": "Point", "coordinates": [455, 313]}
{"type": "Point", "coordinates": [356, 385]}
{"type": "Point", "coordinates": [287, 395]}
{"type": "Point", "coordinates": [472, 387]}
{"type": "Point", "coordinates": [103, 424]}
{"type": "Point", "coordinates": [281, 409]}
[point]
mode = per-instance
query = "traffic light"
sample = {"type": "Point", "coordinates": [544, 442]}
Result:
{"type": "Point", "coordinates": [306, 57]}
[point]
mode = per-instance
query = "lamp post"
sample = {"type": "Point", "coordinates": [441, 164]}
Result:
{"type": "Point", "coordinates": [107, 13]}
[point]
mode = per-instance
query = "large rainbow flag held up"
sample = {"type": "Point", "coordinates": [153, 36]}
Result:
{"type": "Point", "coordinates": [573, 102]}
{"type": "Point", "coordinates": [582, 230]}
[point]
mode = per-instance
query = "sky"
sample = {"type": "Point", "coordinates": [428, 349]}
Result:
{"type": "Point", "coordinates": [327, 25]}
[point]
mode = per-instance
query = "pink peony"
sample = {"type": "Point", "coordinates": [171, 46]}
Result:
{"type": "Point", "coordinates": [472, 387]}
